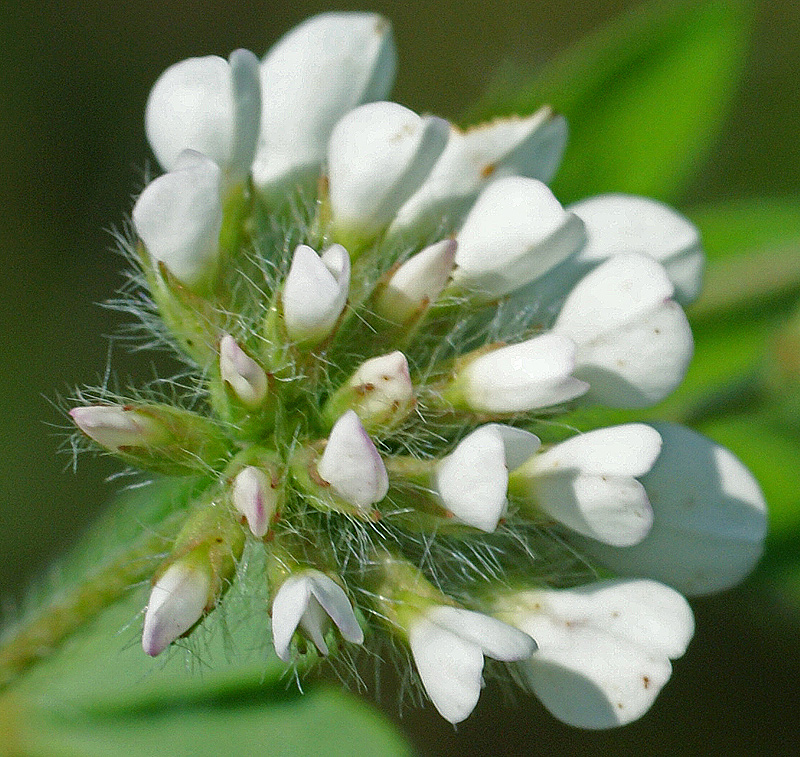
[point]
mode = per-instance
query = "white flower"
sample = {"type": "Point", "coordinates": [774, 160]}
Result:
{"type": "Point", "coordinates": [709, 523]}
{"type": "Point", "coordinates": [448, 645]}
{"type": "Point", "coordinates": [618, 223]}
{"type": "Point", "coordinates": [310, 78]}
{"type": "Point", "coordinates": [315, 292]}
{"type": "Point", "coordinates": [604, 648]}
{"type": "Point", "coordinates": [533, 374]}
{"type": "Point", "coordinates": [255, 496]}
{"type": "Point", "coordinates": [116, 428]}
{"type": "Point", "coordinates": [352, 465]}
{"type": "Point", "coordinates": [634, 342]}
{"type": "Point", "coordinates": [589, 484]}
{"type": "Point", "coordinates": [306, 600]}
{"type": "Point", "coordinates": [417, 283]}
{"type": "Point", "coordinates": [472, 480]}
{"type": "Point", "coordinates": [241, 373]}
{"type": "Point", "coordinates": [178, 217]}
{"type": "Point", "coordinates": [208, 105]}
{"type": "Point", "coordinates": [515, 233]}
{"type": "Point", "coordinates": [531, 146]}
{"type": "Point", "coordinates": [177, 601]}
{"type": "Point", "coordinates": [378, 155]}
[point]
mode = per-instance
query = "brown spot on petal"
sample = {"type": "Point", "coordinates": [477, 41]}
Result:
{"type": "Point", "coordinates": [488, 170]}
{"type": "Point", "coordinates": [646, 681]}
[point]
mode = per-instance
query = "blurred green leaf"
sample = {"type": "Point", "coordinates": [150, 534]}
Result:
{"type": "Point", "coordinates": [644, 97]}
{"type": "Point", "coordinates": [223, 693]}
{"type": "Point", "coordinates": [744, 226]}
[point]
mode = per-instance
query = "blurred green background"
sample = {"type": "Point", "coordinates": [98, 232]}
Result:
{"type": "Point", "coordinates": [75, 76]}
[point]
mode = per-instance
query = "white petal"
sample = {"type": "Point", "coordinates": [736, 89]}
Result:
{"type": "Point", "coordinates": [495, 638]}
{"type": "Point", "coordinates": [246, 95]}
{"type": "Point", "coordinates": [618, 223]}
{"type": "Point", "coordinates": [634, 342]}
{"type": "Point", "coordinates": [513, 146]}
{"type": "Point", "coordinates": [417, 282]}
{"type": "Point", "coordinates": [311, 77]}
{"type": "Point", "coordinates": [472, 480]}
{"type": "Point", "coordinates": [627, 450]}
{"type": "Point", "coordinates": [254, 497]}
{"type": "Point", "coordinates": [587, 482]}
{"type": "Point", "coordinates": [177, 602]}
{"type": "Point", "coordinates": [450, 668]}
{"type": "Point", "coordinates": [334, 601]}
{"type": "Point", "coordinates": [308, 599]}
{"type": "Point", "coordinates": [352, 465]}
{"type": "Point", "coordinates": [525, 376]}
{"type": "Point", "coordinates": [288, 608]}
{"type": "Point", "coordinates": [611, 509]}
{"type": "Point", "coordinates": [515, 233]}
{"type": "Point", "coordinates": [315, 292]}
{"type": "Point", "coordinates": [518, 444]}
{"type": "Point", "coordinates": [378, 155]}
{"type": "Point", "coordinates": [207, 105]}
{"type": "Point", "coordinates": [178, 217]}
{"type": "Point", "coordinates": [604, 649]}
{"type": "Point", "coordinates": [710, 518]}
{"type": "Point", "coordinates": [244, 375]}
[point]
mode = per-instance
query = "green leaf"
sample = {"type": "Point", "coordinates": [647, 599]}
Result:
{"type": "Point", "coordinates": [222, 691]}
{"type": "Point", "coordinates": [644, 97]}
{"type": "Point", "coordinates": [737, 227]}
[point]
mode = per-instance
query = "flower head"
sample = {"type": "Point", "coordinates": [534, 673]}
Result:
{"type": "Point", "coordinates": [384, 317]}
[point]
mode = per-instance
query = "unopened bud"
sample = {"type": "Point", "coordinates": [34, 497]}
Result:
{"type": "Point", "coordinates": [380, 392]}
{"type": "Point", "coordinates": [352, 465]}
{"type": "Point", "coordinates": [242, 374]}
{"type": "Point", "coordinates": [417, 283]}
{"type": "Point", "coordinates": [177, 601]}
{"type": "Point", "coordinates": [115, 427]}
{"type": "Point", "coordinates": [255, 496]}
{"type": "Point", "coordinates": [315, 292]}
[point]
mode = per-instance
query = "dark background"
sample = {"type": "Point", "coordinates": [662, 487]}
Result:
{"type": "Point", "coordinates": [74, 77]}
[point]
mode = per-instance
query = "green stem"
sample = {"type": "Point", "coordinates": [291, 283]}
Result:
{"type": "Point", "coordinates": [38, 636]}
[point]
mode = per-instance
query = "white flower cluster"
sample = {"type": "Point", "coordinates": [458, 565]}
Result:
{"type": "Point", "coordinates": [383, 309]}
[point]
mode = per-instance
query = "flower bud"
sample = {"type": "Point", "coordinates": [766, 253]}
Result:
{"type": "Point", "coordinates": [380, 392]}
{"type": "Point", "coordinates": [208, 105]}
{"type": "Point", "coordinates": [158, 437]}
{"type": "Point", "coordinates": [310, 78]}
{"type": "Point", "coordinates": [315, 293]}
{"type": "Point", "coordinates": [116, 428]}
{"type": "Point", "coordinates": [255, 495]}
{"type": "Point", "coordinates": [245, 377]}
{"type": "Point", "coordinates": [179, 598]}
{"type": "Point", "coordinates": [526, 376]}
{"type": "Point", "coordinates": [352, 465]}
{"type": "Point", "coordinates": [178, 217]}
{"type": "Point", "coordinates": [416, 283]}
{"type": "Point", "coordinates": [378, 156]}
